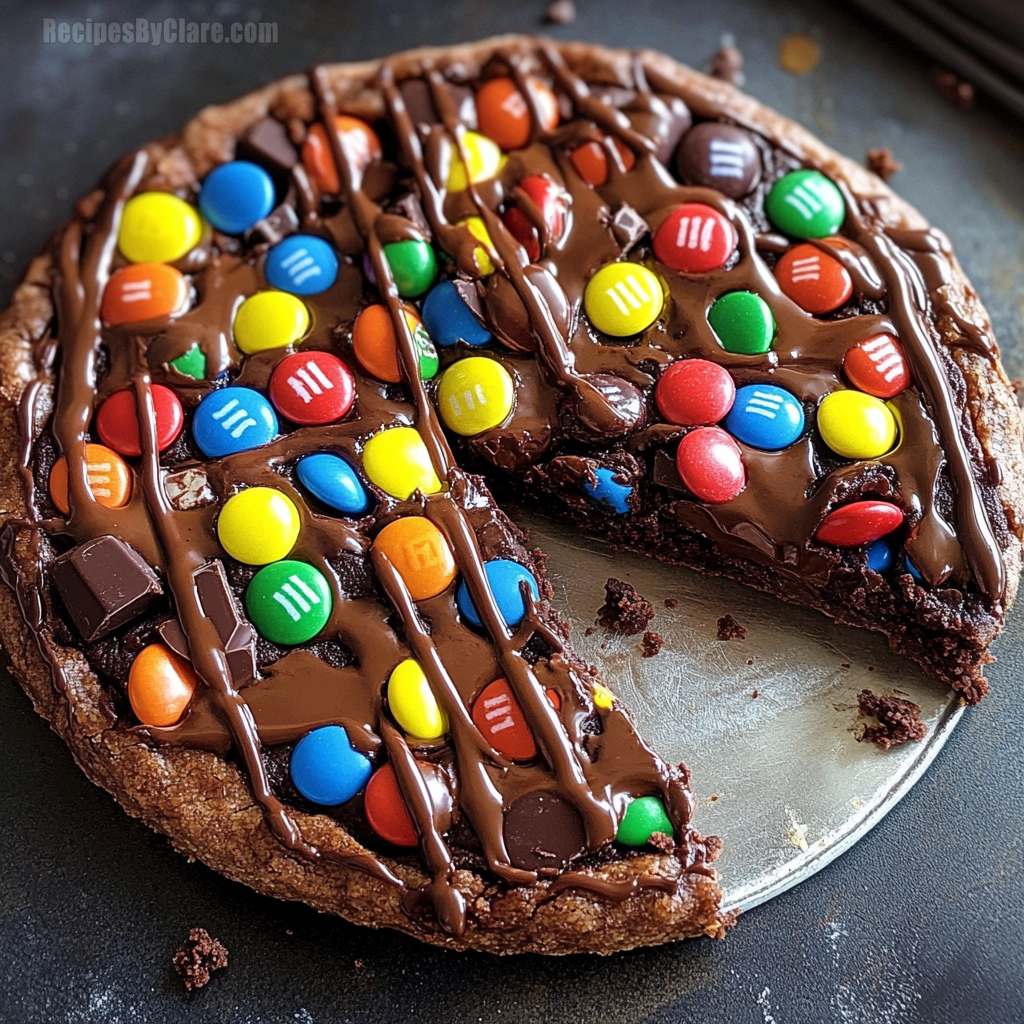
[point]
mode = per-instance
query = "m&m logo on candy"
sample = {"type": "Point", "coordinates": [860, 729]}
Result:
{"type": "Point", "coordinates": [110, 479]}
{"type": "Point", "coordinates": [233, 420]}
{"type": "Point", "coordinates": [500, 719]}
{"type": "Point", "coordinates": [289, 602]}
{"type": "Point", "coordinates": [623, 299]}
{"type": "Point", "coordinates": [475, 394]}
{"type": "Point", "coordinates": [815, 281]}
{"type": "Point", "coordinates": [312, 388]}
{"type": "Point", "coordinates": [805, 204]}
{"type": "Point", "coordinates": [878, 366]}
{"type": "Point", "coordinates": [695, 238]}
{"type": "Point", "coordinates": [420, 554]}
{"type": "Point", "coordinates": [302, 265]}
{"type": "Point", "coordinates": [143, 291]}
{"type": "Point", "coordinates": [765, 416]}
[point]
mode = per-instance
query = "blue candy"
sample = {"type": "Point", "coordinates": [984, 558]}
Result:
{"type": "Point", "coordinates": [233, 420]}
{"type": "Point", "coordinates": [765, 416]}
{"type": "Point", "coordinates": [504, 577]}
{"type": "Point", "coordinates": [879, 555]}
{"type": "Point", "coordinates": [334, 482]}
{"type": "Point", "coordinates": [607, 492]}
{"type": "Point", "coordinates": [913, 570]}
{"type": "Point", "coordinates": [326, 769]}
{"type": "Point", "coordinates": [236, 195]}
{"type": "Point", "coordinates": [448, 319]}
{"type": "Point", "coordinates": [302, 265]}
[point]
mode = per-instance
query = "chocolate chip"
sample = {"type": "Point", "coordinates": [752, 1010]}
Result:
{"type": "Point", "coordinates": [542, 830]}
{"type": "Point", "coordinates": [104, 584]}
{"type": "Point", "coordinates": [719, 156]}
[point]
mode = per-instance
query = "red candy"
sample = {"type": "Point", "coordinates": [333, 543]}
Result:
{"type": "Point", "coordinates": [548, 199]}
{"type": "Point", "coordinates": [591, 161]}
{"type": "Point", "coordinates": [815, 281]}
{"type": "Point", "coordinates": [504, 115]}
{"type": "Point", "coordinates": [499, 717]}
{"type": "Point", "coordinates": [386, 810]}
{"type": "Point", "coordinates": [710, 464]}
{"type": "Point", "coordinates": [118, 425]}
{"type": "Point", "coordinates": [143, 291]}
{"type": "Point", "coordinates": [312, 388]}
{"type": "Point", "coordinates": [878, 366]}
{"type": "Point", "coordinates": [860, 522]}
{"type": "Point", "coordinates": [694, 239]}
{"type": "Point", "coordinates": [692, 392]}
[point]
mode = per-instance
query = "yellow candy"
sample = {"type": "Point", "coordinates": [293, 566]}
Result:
{"type": "Point", "coordinates": [157, 227]}
{"type": "Point", "coordinates": [397, 461]}
{"type": "Point", "coordinates": [412, 702]}
{"type": "Point", "coordinates": [485, 160]}
{"type": "Point", "coordinates": [258, 525]}
{"type": "Point", "coordinates": [603, 697]}
{"type": "Point", "coordinates": [475, 395]}
{"type": "Point", "coordinates": [623, 299]}
{"type": "Point", "coordinates": [482, 254]}
{"type": "Point", "coordinates": [856, 425]}
{"type": "Point", "coordinates": [269, 320]}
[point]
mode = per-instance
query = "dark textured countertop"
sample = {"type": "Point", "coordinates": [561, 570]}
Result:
{"type": "Point", "coordinates": [923, 921]}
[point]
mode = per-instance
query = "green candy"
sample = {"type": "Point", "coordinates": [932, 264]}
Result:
{"type": "Point", "coordinates": [743, 322]}
{"type": "Point", "coordinates": [413, 266]}
{"type": "Point", "coordinates": [192, 363]}
{"type": "Point", "coordinates": [805, 204]}
{"type": "Point", "coordinates": [289, 602]}
{"type": "Point", "coordinates": [429, 363]}
{"type": "Point", "coordinates": [643, 817]}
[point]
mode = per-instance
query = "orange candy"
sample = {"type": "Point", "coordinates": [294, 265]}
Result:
{"type": "Point", "coordinates": [814, 280]}
{"type": "Point", "coordinates": [160, 685]}
{"type": "Point", "coordinates": [591, 161]}
{"type": "Point", "coordinates": [504, 115]}
{"type": "Point", "coordinates": [110, 479]}
{"type": "Point", "coordinates": [374, 342]}
{"type": "Point", "coordinates": [360, 141]}
{"type": "Point", "coordinates": [143, 291]}
{"type": "Point", "coordinates": [421, 555]}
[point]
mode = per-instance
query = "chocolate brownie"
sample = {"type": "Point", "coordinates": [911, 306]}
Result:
{"type": "Point", "coordinates": [259, 390]}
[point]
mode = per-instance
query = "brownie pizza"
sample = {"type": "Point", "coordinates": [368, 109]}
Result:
{"type": "Point", "coordinates": [263, 396]}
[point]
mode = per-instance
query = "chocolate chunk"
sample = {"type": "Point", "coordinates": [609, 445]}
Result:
{"type": "Point", "coordinates": [628, 227]}
{"type": "Point", "coordinates": [721, 157]}
{"type": "Point", "coordinates": [882, 162]}
{"type": "Point", "coordinates": [898, 720]}
{"type": "Point", "coordinates": [104, 584]}
{"type": "Point", "coordinates": [281, 222]}
{"type": "Point", "coordinates": [197, 956]}
{"type": "Point", "coordinates": [561, 12]}
{"type": "Point", "coordinates": [727, 65]}
{"type": "Point", "coordinates": [624, 610]}
{"type": "Point", "coordinates": [665, 473]}
{"type": "Point", "coordinates": [410, 207]}
{"type": "Point", "coordinates": [420, 103]}
{"type": "Point", "coordinates": [542, 830]}
{"type": "Point", "coordinates": [730, 629]}
{"type": "Point", "coordinates": [267, 143]}
{"type": "Point", "coordinates": [663, 119]}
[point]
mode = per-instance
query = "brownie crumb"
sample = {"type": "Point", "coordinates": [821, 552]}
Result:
{"type": "Point", "coordinates": [756, 694]}
{"type": "Point", "coordinates": [624, 610]}
{"type": "Point", "coordinates": [1016, 384]}
{"type": "Point", "coordinates": [883, 163]}
{"type": "Point", "coordinates": [561, 12]}
{"type": "Point", "coordinates": [730, 629]}
{"type": "Point", "coordinates": [652, 643]}
{"type": "Point", "coordinates": [898, 720]}
{"type": "Point", "coordinates": [727, 65]}
{"type": "Point", "coordinates": [750, 661]}
{"type": "Point", "coordinates": [661, 841]}
{"type": "Point", "coordinates": [953, 88]}
{"type": "Point", "coordinates": [671, 602]}
{"type": "Point", "coordinates": [589, 631]}
{"type": "Point", "coordinates": [197, 956]}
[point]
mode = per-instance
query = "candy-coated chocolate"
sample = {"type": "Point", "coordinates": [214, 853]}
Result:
{"type": "Point", "coordinates": [359, 140]}
{"type": "Point", "coordinates": [157, 227]}
{"type": "Point", "coordinates": [289, 602]}
{"type": "Point", "coordinates": [258, 525]}
{"type": "Point", "coordinates": [879, 555]}
{"type": "Point", "coordinates": [376, 348]}
{"type": "Point", "coordinates": [235, 195]}
{"type": "Point", "coordinates": [644, 816]}
{"type": "Point", "coordinates": [591, 160]}
{"type": "Point", "coordinates": [623, 299]}
{"type": "Point", "coordinates": [710, 464]}
{"type": "Point", "coordinates": [504, 577]}
{"type": "Point", "coordinates": [913, 570]}
{"type": "Point", "coordinates": [301, 265]}
{"type": "Point", "coordinates": [269, 320]}
{"type": "Point", "coordinates": [860, 522]}
{"type": "Point", "coordinates": [192, 363]}
{"type": "Point", "coordinates": [504, 115]}
{"type": "Point", "coordinates": [805, 204]}
{"type": "Point", "coordinates": [695, 238]}
{"type": "Point", "coordinates": [312, 388]}
{"type": "Point", "coordinates": [160, 686]}
{"type": "Point", "coordinates": [814, 280]}
{"type": "Point", "coordinates": [412, 702]}
{"type": "Point", "coordinates": [878, 366]}
{"type": "Point", "coordinates": [694, 392]}
{"type": "Point", "coordinates": [110, 479]}
{"type": "Point", "coordinates": [420, 554]}
{"type": "Point", "coordinates": [501, 721]}
{"type": "Point", "coordinates": [719, 156]}
{"type": "Point", "coordinates": [603, 697]}
{"type": "Point", "coordinates": [143, 291]}
{"type": "Point", "coordinates": [605, 490]}
{"type": "Point", "coordinates": [475, 394]}
{"type": "Point", "coordinates": [482, 253]}
{"type": "Point", "coordinates": [856, 425]}
{"type": "Point", "coordinates": [386, 811]}
{"type": "Point", "coordinates": [765, 416]}
{"type": "Point", "coordinates": [549, 200]}
{"type": "Point", "coordinates": [413, 266]}
{"type": "Point", "coordinates": [333, 481]}
{"type": "Point", "coordinates": [233, 420]}
{"type": "Point", "coordinates": [117, 422]}
{"type": "Point", "coordinates": [485, 159]}
{"type": "Point", "coordinates": [448, 319]}
{"type": "Point", "coordinates": [326, 769]}
{"type": "Point", "coordinates": [743, 322]}
{"type": "Point", "coordinates": [398, 462]}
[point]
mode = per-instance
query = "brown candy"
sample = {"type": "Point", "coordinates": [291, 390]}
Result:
{"type": "Point", "coordinates": [721, 157]}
